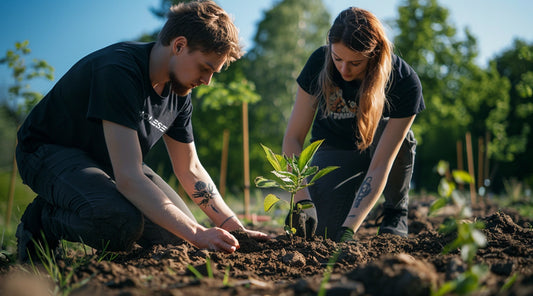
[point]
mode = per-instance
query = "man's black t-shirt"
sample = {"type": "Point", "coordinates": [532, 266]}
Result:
{"type": "Point", "coordinates": [110, 84]}
{"type": "Point", "coordinates": [338, 127]}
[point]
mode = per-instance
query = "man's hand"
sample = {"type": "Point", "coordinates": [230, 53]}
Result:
{"type": "Point", "coordinates": [304, 219]}
{"type": "Point", "coordinates": [257, 235]}
{"type": "Point", "coordinates": [344, 234]}
{"type": "Point", "coordinates": [216, 239]}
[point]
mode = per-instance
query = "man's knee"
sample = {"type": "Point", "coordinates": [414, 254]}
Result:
{"type": "Point", "coordinates": [119, 231]}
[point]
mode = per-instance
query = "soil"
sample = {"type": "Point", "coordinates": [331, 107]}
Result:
{"type": "Point", "coordinates": [370, 265]}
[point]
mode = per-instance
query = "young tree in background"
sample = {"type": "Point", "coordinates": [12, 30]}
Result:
{"type": "Point", "coordinates": [460, 96]}
{"type": "Point", "coordinates": [288, 33]}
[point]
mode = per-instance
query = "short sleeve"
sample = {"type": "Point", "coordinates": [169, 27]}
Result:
{"type": "Point", "coordinates": [116, 96]}
{"type": "Point", "coordinates": [308, 77]}
{"type": "Point", "coordinates": [181, 129]}
{"type": "Point", "coordinates": [405, 96]}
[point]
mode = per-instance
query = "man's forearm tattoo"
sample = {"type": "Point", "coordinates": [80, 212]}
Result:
{"type": "Point", "coordinates": [363, 192]}
{"type": "Point", "coordinates": [205, 192]}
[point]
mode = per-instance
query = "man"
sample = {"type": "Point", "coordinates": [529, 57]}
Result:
{"type": "Point", "coordinates": [81, 148]}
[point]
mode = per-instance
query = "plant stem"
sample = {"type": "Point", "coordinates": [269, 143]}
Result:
{"type": "Point", "coordinates": [291, 212]}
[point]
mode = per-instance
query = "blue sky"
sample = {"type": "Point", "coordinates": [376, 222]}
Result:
{"type": "Point", "coordinates": [63, 31]}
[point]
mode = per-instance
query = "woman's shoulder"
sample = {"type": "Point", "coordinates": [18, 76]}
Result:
{"type": "Point", "coordinates": [401, 69]}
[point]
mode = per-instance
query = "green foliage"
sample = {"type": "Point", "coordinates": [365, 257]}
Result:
{"type": "Point", "coordinates": [20, 96]}
{"type": "Point", "coordinates": [291, 174]}
{"type": "Point", "coordinates": [516, 64]}
{"type": "Point", "coordinates": [285, 38]}
{"type": "Point", "coordinates": [460, 96]}
{"type": "Point", "coordinates": [469, 237]}
{"type": "Point", "coordinates": [60, 274]}
{"type": "Point", "coordinates": [327, 273]}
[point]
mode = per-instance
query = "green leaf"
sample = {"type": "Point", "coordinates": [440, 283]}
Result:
{"type": "Point", "coordinates": [462, 177]}
{"type": "Point", "coordinates": [265, 183]}
{"type": "Point", "coordinates": [270, 201]}
{"type": "Point", "coordinates": [448, 226]}
{"type": "Point", "coordinates": [438, 204]}
{"type": "Point", "coordinates": [445, 187]}
{"type": "Point", "coordinates": [282, 161]}
{"type": "Point", "coordinates": [307, 154]}
{"type": "Point", "coordinates": [286, 177]}
{"type": "Point", "coordinates": [309, 171]}
{"type": "Point", "coordinates": [442, 167]}
{"type": "Point", "coordinates": [272, 158]}
{"type": "Point", "coordinates": [323, 172]}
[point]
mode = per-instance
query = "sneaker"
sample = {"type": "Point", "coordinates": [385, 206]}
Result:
{"type": "Point", "coordinates": [30, 231]}
{"type": "Point", "coordinates": [394, 222]}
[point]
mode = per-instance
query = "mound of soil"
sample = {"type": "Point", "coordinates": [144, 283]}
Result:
{"type": "Point", "coordinates": [371, 265]}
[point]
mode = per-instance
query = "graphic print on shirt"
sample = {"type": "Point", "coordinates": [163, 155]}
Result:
{"type": "Point", "coordinates": [153, 121]}
{"type": "Point", "coordinates": [339, 107]}
{"type": "Point", "coordinates": [156, 115]}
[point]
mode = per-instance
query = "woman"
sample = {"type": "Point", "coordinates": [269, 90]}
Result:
{"type": "Point", "coordinates": [365, 100]}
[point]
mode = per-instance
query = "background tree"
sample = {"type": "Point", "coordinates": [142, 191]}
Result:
{"type": "Point", "coordinates": [516, 64]}
{"type": "Point", "coordinates": [19, 100]}
{"type": "Point", "coordinates": [460, 96]}
{"type": "Point", "coordinates": [286, 36]}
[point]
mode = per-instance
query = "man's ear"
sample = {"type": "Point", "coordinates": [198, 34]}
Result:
{"type": "Point", "coordinates": [179, 44]}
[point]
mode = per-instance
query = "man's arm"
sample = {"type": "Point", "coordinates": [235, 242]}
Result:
{"type": "Point", "coordinates": [378, 172]}
{"type": "Point", "coordinates": [201, 188]}
{"type": "Point", "coordinates": [126, 158]}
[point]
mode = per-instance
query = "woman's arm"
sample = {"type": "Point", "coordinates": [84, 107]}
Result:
{"type": "Point", "coordinates": [378, 172]}
{"type": "Point", "coordinates": [297, 129]}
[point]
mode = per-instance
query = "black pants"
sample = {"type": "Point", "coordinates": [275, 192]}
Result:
{"type": "Point", "coordinates": [83, 203]}
{"type": "Point", "coordinates": [334, 193]}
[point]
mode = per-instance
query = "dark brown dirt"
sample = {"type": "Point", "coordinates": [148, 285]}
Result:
{"type": "Point", "coordinates": [372, 265]}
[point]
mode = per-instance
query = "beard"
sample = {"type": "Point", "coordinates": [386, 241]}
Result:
{"type": "Point", "coordinates": [177, 87]}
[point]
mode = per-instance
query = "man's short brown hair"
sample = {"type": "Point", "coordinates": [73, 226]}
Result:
{"type": "Point", "coordinates": [206, 26]}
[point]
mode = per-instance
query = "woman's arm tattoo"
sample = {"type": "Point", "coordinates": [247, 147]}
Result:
{"type": "Point", "coordinates": [363, 192]}
{"type": "Point", "coordinates": [205, 192]}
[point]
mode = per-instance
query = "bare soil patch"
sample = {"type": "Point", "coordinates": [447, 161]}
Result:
{"type": "Point", "coordinates": [371, 265]}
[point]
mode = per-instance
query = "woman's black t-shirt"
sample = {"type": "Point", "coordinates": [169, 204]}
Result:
{"type": "Point", "coordinates": [110, 84]}
{"type": "Point", "coordinates": [338, 127]}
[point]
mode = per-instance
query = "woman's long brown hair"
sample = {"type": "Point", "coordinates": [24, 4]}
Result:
{"type": "Point", "coordinates": [361, 31]}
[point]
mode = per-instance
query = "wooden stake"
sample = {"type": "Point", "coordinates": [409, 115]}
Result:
{"type": "Point", "coordinates": [246, 160]}
{"type": "Point", "coordinates": [460, 160]}
{"type": "Point", "coordinates": [11, 193]}
{"type": "Point", "coordinates": [486, 166]}
{"type": "Point", "coordinates": [224, 163]}
{"type": "Point", "coordinates": [480, 161]}
{"type": "Point", "coordinates": [470, 158]}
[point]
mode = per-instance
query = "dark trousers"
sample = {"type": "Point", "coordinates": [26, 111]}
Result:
{"type": "Point", "coordinates": [83, 203]}
{"type": "Point", "coordinates": [334, 193]}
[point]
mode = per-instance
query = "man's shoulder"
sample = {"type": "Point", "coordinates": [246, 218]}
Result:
{"type": "Point", "coordinates": [138, 50]}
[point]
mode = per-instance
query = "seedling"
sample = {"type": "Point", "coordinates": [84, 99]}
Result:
{"type": "Point", "coordinates": [469, 236]}
{"type": "Point", "coordinates": [290, 175]}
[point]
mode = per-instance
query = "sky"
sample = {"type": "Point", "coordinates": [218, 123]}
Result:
{"type": "Point", "coordinates": [63, 31]}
